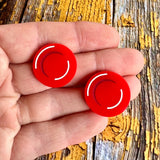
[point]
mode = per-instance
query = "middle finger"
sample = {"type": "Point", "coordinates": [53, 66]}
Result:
{"type": "Point", "coordinates": [122, 61]}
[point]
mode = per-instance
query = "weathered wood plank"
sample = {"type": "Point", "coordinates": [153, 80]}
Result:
{"type": "Point", "coordinates": [136, 133]}
{"type": "Point", "coordinates": [11, 11]}
{"type": "Point", "coordinates": [6, 10]}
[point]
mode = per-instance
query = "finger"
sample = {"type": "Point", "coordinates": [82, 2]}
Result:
{"type": "Point", "coordinates": [51, 104]}
{"type": "Point", "coordinates": [122, 61]}
{"type": "Point", "coordinates": [46, 137]}
{"type": "Point", "coordinates": [4, 63]}
{"type": "Point", "coordinates": [56, 103]}
{"type": "Point", "coordinates": [24, 39]}
{"type": "Point", "coordinates": [134, 85]}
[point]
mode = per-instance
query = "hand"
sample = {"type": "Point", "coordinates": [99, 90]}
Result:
{"type": "Point", "coordinates": [35, 119]}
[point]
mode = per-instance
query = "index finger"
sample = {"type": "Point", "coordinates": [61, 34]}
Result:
{"type": "Point", "coordinates": [20, 41]}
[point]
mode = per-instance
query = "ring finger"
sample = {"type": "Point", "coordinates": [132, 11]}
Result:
{"type": "Point", "coordinates": [55, 103]}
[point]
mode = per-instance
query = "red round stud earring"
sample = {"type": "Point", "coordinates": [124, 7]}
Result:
{"type": "Point", "coordinates": [107, 94]}
{"type": "Point", "coordinates": [54, 65]}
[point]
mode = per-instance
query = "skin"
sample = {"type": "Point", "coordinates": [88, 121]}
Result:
{"type": "Point", "coordinates": [36, 119]}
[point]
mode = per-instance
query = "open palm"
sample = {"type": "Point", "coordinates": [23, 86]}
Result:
{"type": "Point", "coordinates": [36, 119]}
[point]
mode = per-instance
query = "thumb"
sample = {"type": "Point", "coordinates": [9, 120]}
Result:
{"type": "Point", "coordinates": [4, 63]}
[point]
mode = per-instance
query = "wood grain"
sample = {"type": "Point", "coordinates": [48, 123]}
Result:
{"type": "Point", "coordinates": [134, 135]}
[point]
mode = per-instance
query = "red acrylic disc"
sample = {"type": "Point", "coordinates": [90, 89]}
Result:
{"type": "Point", "coordinates": [107, 94]}
{"type": "Point", "coordinates": [54, 65]}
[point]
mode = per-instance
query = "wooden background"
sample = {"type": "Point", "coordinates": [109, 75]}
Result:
{"type": "Point", "coordinates": [134, 135]}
